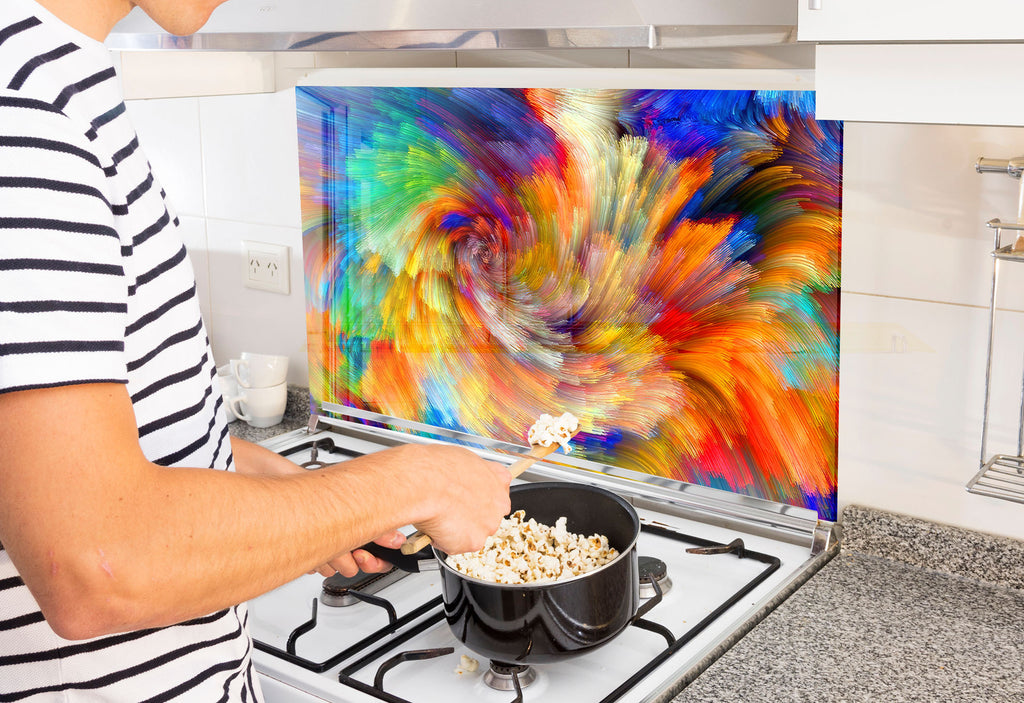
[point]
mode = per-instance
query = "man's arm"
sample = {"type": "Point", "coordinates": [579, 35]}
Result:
{"type": "Point", "coordinates": [251, 458]}
{"type": "Point", "coordinates": [107, 541]}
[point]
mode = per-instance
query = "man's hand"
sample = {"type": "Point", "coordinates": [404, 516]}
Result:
{"type": "Point", "coordinates": [467, 496]}
{"type": "Point", "coordinates": [351, 563]}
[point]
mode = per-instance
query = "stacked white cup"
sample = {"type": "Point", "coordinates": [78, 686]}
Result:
{"type": "Point", "coordinates": [255, 388]}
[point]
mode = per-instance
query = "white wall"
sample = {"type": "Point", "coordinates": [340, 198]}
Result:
{"type": "Point", "coordinates": [916, 283]}
{"type": "Point", "coordinates": [916, 276]}
{"type": "Point", "coordinates": [229, 166]}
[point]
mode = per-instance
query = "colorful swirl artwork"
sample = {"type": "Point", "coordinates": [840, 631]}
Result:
{"type": "Point", "coordinates": [664, 264]}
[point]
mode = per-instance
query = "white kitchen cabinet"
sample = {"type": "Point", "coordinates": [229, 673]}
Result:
{"type": "Point", "coordinates": [910, 20]}
{"type": "Point", "coordinates": [919, 61]}
{"type": "Point", "coordinates": [969, 84]}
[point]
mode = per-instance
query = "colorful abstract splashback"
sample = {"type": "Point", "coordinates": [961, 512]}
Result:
{"type": "Point", "coordinates": [664, 264]}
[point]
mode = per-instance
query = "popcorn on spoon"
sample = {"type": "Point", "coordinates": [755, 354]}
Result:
{"type": "Point", "coordinates": [545, 436]}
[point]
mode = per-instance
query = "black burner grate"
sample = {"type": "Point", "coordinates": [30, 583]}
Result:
{"type": "Point", "coordinates": [432, 613]}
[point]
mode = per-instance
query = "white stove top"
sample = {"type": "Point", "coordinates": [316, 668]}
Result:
{"type": "Point", "coordinates": [701, 584]}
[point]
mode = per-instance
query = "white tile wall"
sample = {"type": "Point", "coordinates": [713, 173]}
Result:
{"type": "Point", "coordinates": [245, 319]}
{"type": "Point", "coordinates": [916, 277]}
{"type": "Point", "coordinates": [914, 210]}
{"type": "Point", "coordinates": [230, 167]}
{"type": "Point", "coordinates": [168, 130]}
{"type": "Point", "coordinates": [171, 74]}
{"type": "Point", "coordinates": [910, 421]}
{"type": "Point", "coordinates": [250, 158]}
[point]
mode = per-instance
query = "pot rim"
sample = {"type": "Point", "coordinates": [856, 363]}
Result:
{"type": "Point", "coordinates": [441, 556]}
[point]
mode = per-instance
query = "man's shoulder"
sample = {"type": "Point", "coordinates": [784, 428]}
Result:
{"type": "Point", "coordinates": [30, 127]}
{"type": "Point", "coordinates": [50, 76]}
{"type": "Point", "coordinates": [25, 114]}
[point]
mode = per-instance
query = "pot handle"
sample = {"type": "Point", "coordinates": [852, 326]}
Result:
{"type": "Point", "coordinates": [414, 563]}
{"type": "Point", "coordinates": [651, 602]}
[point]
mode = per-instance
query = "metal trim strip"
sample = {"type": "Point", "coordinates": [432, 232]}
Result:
{"type": "Point", "coordinates": [635, 37]}
{"type": "Point", "coordinates": [801, 524]}
{"type": "Point", "coordinates": [535, 39]}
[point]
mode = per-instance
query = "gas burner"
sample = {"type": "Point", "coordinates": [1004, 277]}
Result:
{"type": "Point", "coordinates": [314, 463]}
{"type": "Point", "coordinates": [501, 676]}
{"type": "Point", "coordinates": [340, 591]}
{"type": "Point", "coordinates": [652, 567]}
{"type": "Point", "coordinates": [322, 444]}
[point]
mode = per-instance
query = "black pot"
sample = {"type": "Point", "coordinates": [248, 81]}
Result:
{"type": "Point", "coordinates": [536, 623]}
{"type": "Point", "coordinates": [543, 622]}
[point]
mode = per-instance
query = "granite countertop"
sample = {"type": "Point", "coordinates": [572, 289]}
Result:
{"type": "Point", "coordinates": [909, 610]}
{"type": "Point", "coordinates": [296, 415]}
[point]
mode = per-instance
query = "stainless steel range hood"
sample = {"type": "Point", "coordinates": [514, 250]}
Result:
{"type": "Point", "coordinates": [367, 25]}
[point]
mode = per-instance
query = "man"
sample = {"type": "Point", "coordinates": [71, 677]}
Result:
{"type": "Point", "coordinates": [124, 555]}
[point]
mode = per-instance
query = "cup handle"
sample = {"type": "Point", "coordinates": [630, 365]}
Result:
{"type": "Point", "coordinates": [235, 403]}
{"type": "Point", "coordinates": [240, 368]}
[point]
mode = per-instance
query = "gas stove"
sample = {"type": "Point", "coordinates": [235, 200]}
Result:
{"type": "Point", "coordinates": [713, 564]}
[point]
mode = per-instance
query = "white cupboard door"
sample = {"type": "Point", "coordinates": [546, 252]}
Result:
{"type": "Point", "coordinates": [910, 20]}
{"type": "Point", "coordinates": [963, 83]}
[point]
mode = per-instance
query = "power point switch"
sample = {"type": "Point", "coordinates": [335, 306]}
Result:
{"type": "Point", "coordinates": [265, 266]}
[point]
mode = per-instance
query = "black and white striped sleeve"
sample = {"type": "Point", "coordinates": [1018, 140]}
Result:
{"type": "Point", "coordinates": [63, 290]}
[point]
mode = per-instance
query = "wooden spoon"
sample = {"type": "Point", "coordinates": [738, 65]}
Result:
{"type": "Point", "coordinates": [418, 540]}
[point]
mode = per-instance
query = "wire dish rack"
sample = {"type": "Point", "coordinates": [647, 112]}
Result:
{"type": "Point", "coordinates": [1001, 475]}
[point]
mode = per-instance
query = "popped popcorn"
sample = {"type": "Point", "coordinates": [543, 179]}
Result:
{"type": "Point", "coordinates": [551, 430]}
{"type": "Point", "coordinates": [466, 665]}
{"type": "Point", "coordinates": [525, 551]}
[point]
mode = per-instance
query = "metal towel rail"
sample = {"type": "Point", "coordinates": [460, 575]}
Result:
{"type": "Point", "coordinates": [1001, 475]}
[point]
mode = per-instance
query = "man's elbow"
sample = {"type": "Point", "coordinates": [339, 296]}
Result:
{"type": "Point", "coordinates": [76, 622]}
{"type": "Point", "coordinates": [85, 601]}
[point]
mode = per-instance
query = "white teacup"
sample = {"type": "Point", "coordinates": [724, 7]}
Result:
{"type": "Point", "coordinates": [260, 407]}
{"type": "Point", "coordinates": [259, 370]}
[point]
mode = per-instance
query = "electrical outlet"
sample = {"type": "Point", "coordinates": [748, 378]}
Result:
{"type": "Point", "coordinates": [265, 266]}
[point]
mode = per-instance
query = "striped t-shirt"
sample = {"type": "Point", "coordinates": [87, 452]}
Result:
{"type": "Point", "coordinates": [95, 286]}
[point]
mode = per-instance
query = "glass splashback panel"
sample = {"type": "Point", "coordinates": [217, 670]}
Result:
{"type": "Point", "coordinates": [664, 264]}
